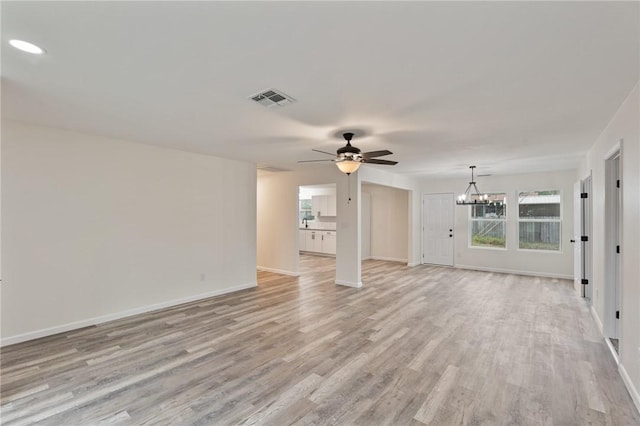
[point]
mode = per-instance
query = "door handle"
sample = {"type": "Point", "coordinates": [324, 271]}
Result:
{"type": "Point", "coordinates": [450, 230]}
{"type": "Point", "coordinates": [572, 241]}
{"type": "Point", "coordinates": [450, 235]}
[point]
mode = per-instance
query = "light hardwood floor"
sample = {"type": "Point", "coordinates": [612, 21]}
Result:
{"type": "Point", "coordinates": [422, 345]}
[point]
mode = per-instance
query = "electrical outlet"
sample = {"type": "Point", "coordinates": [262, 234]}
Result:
{"type": "Point", "coordinates": [203, 277]}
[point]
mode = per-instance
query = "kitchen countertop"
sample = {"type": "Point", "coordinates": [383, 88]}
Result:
{"type": "Point", "coordinates": [316, 229]}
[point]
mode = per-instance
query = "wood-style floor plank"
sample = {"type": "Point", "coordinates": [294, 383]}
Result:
{"type": "Point", "coordinates": [414, 346]}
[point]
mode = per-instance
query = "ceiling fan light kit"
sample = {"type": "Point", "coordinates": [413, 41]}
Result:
{"type": "Point", "coordinates": [348, 166]}
{"type": "Point", "coordinates": [472, 196]}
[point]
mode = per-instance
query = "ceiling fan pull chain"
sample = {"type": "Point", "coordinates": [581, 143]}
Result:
{"type": "Point", "coordinates": [349, 189]}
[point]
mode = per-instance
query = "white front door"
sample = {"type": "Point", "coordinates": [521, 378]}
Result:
{"type": "Point", "coordinates": [437, 234]}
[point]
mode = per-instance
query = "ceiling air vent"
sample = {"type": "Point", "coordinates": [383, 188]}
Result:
{"type": "Point", "coordinates": [271, 98]}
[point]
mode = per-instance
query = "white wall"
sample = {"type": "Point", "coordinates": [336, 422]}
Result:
{"type": "Point", "coordinates": [96, 228]}
{"type": "Point", "coordinates": [543, 263]}
{"type": "Point", "coordinates": [624, 127]}
{"type": "Point", "coordinates": [389, 222]}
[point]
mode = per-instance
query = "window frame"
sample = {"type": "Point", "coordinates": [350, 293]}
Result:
{"type": "Point", "coordinates": [558, 221]}
{"type": "Point", "coordinates": [307, 211]}
{"type": "Point", "coordinates": [471, 220]}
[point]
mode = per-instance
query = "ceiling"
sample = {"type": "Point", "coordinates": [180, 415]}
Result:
{"type": "Point", "coordinates": [507, 86]}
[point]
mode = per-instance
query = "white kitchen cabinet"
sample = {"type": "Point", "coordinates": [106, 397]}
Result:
{"type": "Point", "coordinates": [319, 203]}
{"type": "Point", "coordinates": [314, 241]}
{"type": "Point", "coordinates": [302, 239]}
{"type": "Point", "coordinates": [329, 242]}
{"type": "Point", "coordinates": [324, 205]}
{"type": "Point", "coordinates": [317, 241]}
{"type": "Point", "coordinates": [331, 205]}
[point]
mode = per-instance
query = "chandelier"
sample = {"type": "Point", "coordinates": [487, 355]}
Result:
{"type": "Point", "coordinates": [472, 195]}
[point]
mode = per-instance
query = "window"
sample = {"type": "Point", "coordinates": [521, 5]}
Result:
{"type": "Point", "coordinates": [488, 222]}
{"type": "Point", "coordinates": [305, 210]}
{"type": "Point", "coordinates": [539, 220]}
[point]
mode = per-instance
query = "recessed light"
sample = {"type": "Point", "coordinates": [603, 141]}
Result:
{"type": "Point", "coordinates": [25, 46]}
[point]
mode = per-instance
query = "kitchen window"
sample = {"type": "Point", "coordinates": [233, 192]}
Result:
{"type": "Point", "coordinates": [487, 223]}
{"type": "Point", "coordinates": [539, 220]}
{"type": "Point", "coordinates": [306, 210]}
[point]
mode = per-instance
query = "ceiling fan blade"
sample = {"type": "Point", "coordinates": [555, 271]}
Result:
{"type": "Point", "coordinates": [324, 152]}
{"type": "Point", "coordinates": [376, 153]}
{"type": "Point", "coordinates": [312, 161]}
{"type": "Point", "coordinates": [374, 161]}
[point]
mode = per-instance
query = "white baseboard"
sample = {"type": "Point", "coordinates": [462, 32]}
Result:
{"type": "Point", "coordinates": [516, 272]}
{"type": "Point", "coordinates": [635, 396]}
{"type": "Point", "coordinates": [409, 264]}
{"type": "Point", "coordinates": [317, 253]}
{"type": "Point", "coordinates": [389, 259]}
{"type": "Point", "coordinates": [11, 340]}
{"type": "Point", "coordinates": [596, 318]}
{"type": "Point", "coordinates": [612, 350]}
{"type": "Point", "coordinates": [349, 284]}
{"type": "Point", "coordinates": [278, 271]}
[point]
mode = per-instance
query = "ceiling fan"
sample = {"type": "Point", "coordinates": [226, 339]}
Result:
{"type": "Point", "coordinates": [348, 158]}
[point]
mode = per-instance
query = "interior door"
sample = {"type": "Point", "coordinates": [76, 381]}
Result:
{"type": "Point", "coordinates": [586, 231]}
{"type": "Point", "coordinates": [613, 247]}
{"type": "Point", "coordinates": [437, 234]}
{"type": "Point", "coordinates": [577, 233]}
{"type": "Point", "coordinates": [616, 217]}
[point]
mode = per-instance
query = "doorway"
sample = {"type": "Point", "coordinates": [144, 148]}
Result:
{"type": "Point", "coordinates": [384, 219]}
{"type": "Point", "coordinates": [437, 229]}
{"type": "Point", "coordinates": [317, 237]}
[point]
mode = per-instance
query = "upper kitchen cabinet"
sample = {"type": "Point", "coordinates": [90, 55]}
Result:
{"type": "Point", "coordinates": [331, 205]}
{"type": "Point", "coordinates": [324, 205]}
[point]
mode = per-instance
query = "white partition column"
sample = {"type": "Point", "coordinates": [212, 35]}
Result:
{"type": "Point", "coordinates": [348, 250]}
